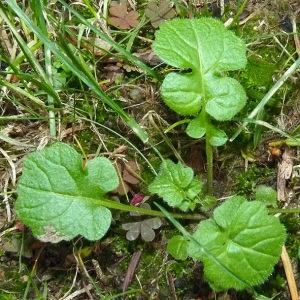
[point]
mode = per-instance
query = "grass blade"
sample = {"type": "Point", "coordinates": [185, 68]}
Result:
{"type": "Point", "coordinates": [268, 96]}
{"type": "Point", "coordinates": [115, 45]}
{"type": "Point", "coordinates": [73, 64]}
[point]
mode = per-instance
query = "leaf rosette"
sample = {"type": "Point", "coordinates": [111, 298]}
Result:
{"type": "Point", "coordinates": [205, 50]}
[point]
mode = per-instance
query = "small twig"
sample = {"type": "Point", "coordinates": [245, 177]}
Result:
{"type": "Point", "coordinates": [99, 271]}
{"type": "Point", "coordinates": [73, 284]}
{"type": "Point", "coordinates": [131, 269]}
{"type": "Point", "coordinates": [289, 274]}
{"type": "Point", "coordinates": [170, 281]}
{"type": "Point", "coordinates": [88, 291]}
{"type": "Point", "coordinates": [7, 230]}
{"type": "Point", "coordinates": [79, 292]}
{"type": "Point", "coordinates": [296, 38]}
{"type": "Point", "coordinates": [283, 48]}
{"type": "Point", "coordinates": [5, 201]}
{"type": "Point", "coordinates": [12, 166]}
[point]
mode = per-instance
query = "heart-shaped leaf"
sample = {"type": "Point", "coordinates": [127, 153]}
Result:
{"type": "Point", "coordinates": [58, 198]}
{"type": "Point", "coordinates": [244, 239]}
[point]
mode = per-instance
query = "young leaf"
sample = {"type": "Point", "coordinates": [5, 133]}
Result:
{"type": "Point", "coordinates": [178, 246]}
{"type": "Point", "coordinates": [175, 184]}
{"type": "Point", "coordinates": [244, 238]}
{"type": "Point", "coordinates": [208, 49]}
{"type": "Point", "coordinates": [58, 198]}
{"type": "Point", "coordinates": [266, 195]}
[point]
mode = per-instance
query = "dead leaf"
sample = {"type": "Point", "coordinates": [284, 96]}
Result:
{"type": "Point", "coordinates": [148, 57]}
{"type": "Point", "coordinates": [123, 19]}
{"type": "Point", "coordinates": [128, 172]}
{"type": "Point", "coordinates": [157, 13]}
{"type": "Point", "coordinates": [97, 46]}
{"type": "Point", "coordinates": [285, 168]}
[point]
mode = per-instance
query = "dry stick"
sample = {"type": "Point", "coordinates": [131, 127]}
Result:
{"type": "Point", "coordinates": [296, 38]}
{"type": "Point", "coordinates": [66, 295]}
{"type": "Point", "coordinates": [289, 274]}
{"type": "Point", "coordinates": [79, 292]}
{"type": "Point", "coordinates": [131, 269]}
{"type": "Point", "coordinates": [284, 255]}
{"type": "Point", "coordinates": [6, 202]}
{"type": "Point", "coordinates": [12, 166]}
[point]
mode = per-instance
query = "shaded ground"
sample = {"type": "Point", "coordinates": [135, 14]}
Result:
{"type": "Point", "coordinates": [80, 269]}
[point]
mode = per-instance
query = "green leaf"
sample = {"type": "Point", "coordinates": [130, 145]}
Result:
{"type": "Point", "coordinates": [244, 238]}
{"type": "Point", "coordinates": [218, 137]}
{"type": "Point", "coordinates": [206, 49]}
{"type": "Point", "coordinates": [266, 195]}
{"type": "Point", "coordinates": [175, 183]}
{"type": "Point", "coordinates": [178, 246]}
{"type": "Point", "coordinates": [196, 128]}
{"type": "Point", "coordinates": [58, 198]}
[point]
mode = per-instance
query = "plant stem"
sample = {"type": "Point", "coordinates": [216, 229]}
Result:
{"type": "Point", "coordinates": [284, 210]}
{"type": "Point", "coordinates": [149, 212]}
{"type": "Point", "coordinates": [209, 154]}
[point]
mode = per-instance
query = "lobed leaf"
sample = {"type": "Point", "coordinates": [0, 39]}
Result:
{"type": "Point", "coordinates": [123, 19]}
{"type": "Point", "coordinates": [145, 228]}
{"type": "Point", "coordinates": [244, 238]}
{"type": "Point", "coordinates": [175, 183]}
{"type": "Point", "coordinates": [204, 49]}
{"type": "Point", "coordinates": [58, 198]}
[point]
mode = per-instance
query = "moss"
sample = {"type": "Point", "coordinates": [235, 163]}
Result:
{"type": "Point", "coordinates": [291, 223]}
{"type": "Point", "coordinates": [258, 72]}
{"type": "Point", "coordinates": [250, 179]}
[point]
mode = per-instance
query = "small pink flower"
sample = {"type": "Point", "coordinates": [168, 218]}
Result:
{"type": "Point", "coordinates": [137, 199]}
{"type": "Point", "coordinates": [19, 225]}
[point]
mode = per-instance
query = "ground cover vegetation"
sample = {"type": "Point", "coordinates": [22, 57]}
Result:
{"type": "Point", "coordinates": [150, 150]}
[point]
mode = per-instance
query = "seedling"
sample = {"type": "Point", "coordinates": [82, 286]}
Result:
{"type": "Point", "coordinates": [59, 198]}
{"type": "Point", "coordinates": [205, 50]}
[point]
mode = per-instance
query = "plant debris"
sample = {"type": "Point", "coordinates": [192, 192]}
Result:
{"type": "Point", "coordinates": [122, 18]}
{"type": "Point", "coordinates": [159, 12]}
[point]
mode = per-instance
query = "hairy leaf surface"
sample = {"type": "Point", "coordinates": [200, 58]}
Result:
{"type": "Point", "coordinates": [58, 197]}
{"type": "Point", "coordinates": [205, 50]}
{"type": "Point", "coordinates": [244, 238]}
{"type": "Point", "coordinates": [176, 184]}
